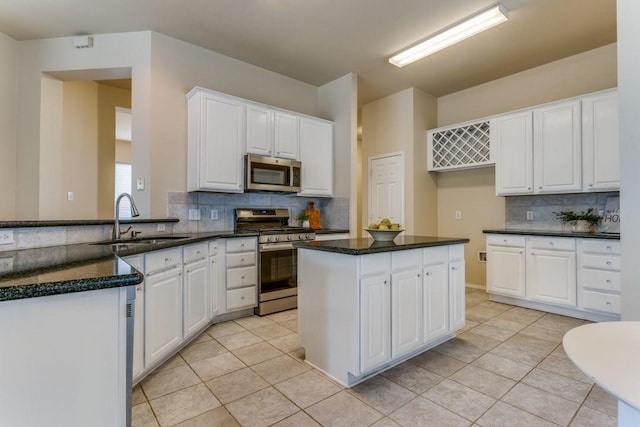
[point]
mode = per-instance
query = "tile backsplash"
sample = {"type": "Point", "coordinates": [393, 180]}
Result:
{"type": "Point", "coordinates": [544, 206]}
{"type": "Point", "coordinates": [334, 211]}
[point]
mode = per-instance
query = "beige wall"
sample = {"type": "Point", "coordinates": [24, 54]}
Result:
{"type": "Point", "coordinates": [109, 97]}
{"type": "Point", "coordinates": [396, 124]}
{"type": "Point", "coordinates": [473, 191]}
{"type": "Point", "coordinates": [8, 57]}
{"type": "Point", "coordinates": [176, 68]}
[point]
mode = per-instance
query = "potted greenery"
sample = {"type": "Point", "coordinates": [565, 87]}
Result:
{"type": "Point", "coordinates": [581, 222]}
{"type": "Point", "coordinates": [304, 219]}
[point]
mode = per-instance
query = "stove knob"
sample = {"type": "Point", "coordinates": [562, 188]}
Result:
{"type": "Point", "coordinates": [289, 236]}
{"type": "Point", "coordinates": [270, 239]}
{"type": "Point", "coordinates": [277, 238]}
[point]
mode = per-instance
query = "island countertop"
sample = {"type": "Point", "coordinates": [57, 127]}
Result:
{"type": "Point", "coordinates": [364, 246]}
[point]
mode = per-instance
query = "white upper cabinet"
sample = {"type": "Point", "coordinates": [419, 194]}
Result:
{"type": "Point", "coordinates": [286, 129]}
{"type": "Point", "coordinates": [316, 155]}
{"type": "Point", "coordinates": [259, 130]}
{"type": "Point", "coordinates": [557, 156]}
{"type": "Point", "coordinates": [272, 132]}
{"type": "Point", "coordinates": [216, 141]}
{"type": "Point", "coordinates": [512, 135]}
{"type": "Point", "coordinates": [600, 142]}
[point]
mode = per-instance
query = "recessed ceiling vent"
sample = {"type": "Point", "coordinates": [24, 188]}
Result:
{"type": "Point", "coordinates": [83, 42]}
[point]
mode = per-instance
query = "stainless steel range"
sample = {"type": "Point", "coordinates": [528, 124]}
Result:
{"type": "Point", "coordinates": [278, 260]}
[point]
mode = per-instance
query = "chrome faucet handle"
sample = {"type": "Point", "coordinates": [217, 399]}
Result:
{"type": "Point", "coordinates": [134, 233]}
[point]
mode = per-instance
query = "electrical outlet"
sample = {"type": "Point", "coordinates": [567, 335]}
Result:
{"type": "Point", "coordinates": [214, 214]}
{"type": "Point", "coordinates": [194, 214]}
{"type": "Point", "coordinates": [6, 264]}
{"type": "Point", "coordinates": [529, 215]}
{"type": "Point", "coordinates": [140, 184]}
{"type": "Point", "coordinates": [161, 227]}
{"type": "Point", "coordinates": [69, 196]}
{"type": "Point", "coordinates": [458, 214]}
{"type": "Point", "coordinates": [6, 237]}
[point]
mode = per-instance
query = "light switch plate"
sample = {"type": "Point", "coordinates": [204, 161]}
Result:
{"type": "Point", "coordinates": [529, 215]}
{"type": "Point", "coordinates": [194, 214]}
{"type": "Point", "coordinates": [6, 264]}
{"type": "Point", "coordinates": [214, 214]}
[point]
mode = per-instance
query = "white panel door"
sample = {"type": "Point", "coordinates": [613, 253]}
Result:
{"type": "Point", "coordinates": [456, 295]}
{"type": "Point", "coordinates": [436, 301]}
{"type": "Point", "coordinates": [551, 277]}
{"type": "Point", "coordinates": [137, 262]}
{"type": "Point", "coordinates": [406, 312]}
{"type": "Point", "coordinates": [512, 135]}
{"type": "Point", "coordinates": [316, 155]}
{"type": "Point", "coordinates": [259, 130]}
{"type": "Point", "coordinates": [557, 148]}
{"type": "Point", "coordinates": [386, 188]}
{"type": "Point", "coordinates": [375, 321]}
{"type": "Point", "coordinates": [601, 142]}
{"type": "Point", "coordinates": [286, 135]}
{"type": "Point", "coordinates": [196, 297]}
{"type": "Point", "coordinates": [506, 271]}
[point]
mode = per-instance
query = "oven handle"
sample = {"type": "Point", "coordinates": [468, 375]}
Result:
{"type": "Point", "coordinates": [268, 247]}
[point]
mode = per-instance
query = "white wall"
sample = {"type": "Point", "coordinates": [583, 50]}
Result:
{"type": "Point", "coordinates": [176, 68]}
{"type": "Point", "coordinates": [629, 91]}
{"type": "Point", "coordinates": [8, 61]}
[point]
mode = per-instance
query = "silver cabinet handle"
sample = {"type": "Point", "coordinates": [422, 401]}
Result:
{"type": "Point", "coordinates": [418, 274]}
{"type": "Point", "coordinates": [608, 263]}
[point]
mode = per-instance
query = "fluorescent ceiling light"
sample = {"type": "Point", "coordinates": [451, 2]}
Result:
{"type": "Point", "coordinates": [457, 32]}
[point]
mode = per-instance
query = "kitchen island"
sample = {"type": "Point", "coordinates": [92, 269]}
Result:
{"type": "Point", "coordinates": [365, 306]}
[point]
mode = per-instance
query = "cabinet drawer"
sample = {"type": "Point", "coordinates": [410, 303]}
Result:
{"type": "Point", "coordinates": [601, 280]}
{"type": "Point", "coordinates": [435, 256]}
{"type": "Point", "coordinates": [163, 260]}
{"type": "Point", "coordinates": [505, 240]}
{"type": "Point", "coordinates": [601, 246]}
{"type": "Point", "coordinates": [373, 264]}
{"type": "Point", "coordinates": [241, 260]}
{"type": "Point", "coordinates": [552, 243]}
{"type": "Point", "coordinates": [598, 301]}
{"type": "Point", "coordinates": [603, 262]}
{"type": "Point", "coordinates": [214, 247]}
{"type": "Point", "coordinates": [241, 298]}
{"type": "Point", "coordinates": [244, 244]}
{"type": "Point", "coordinates": [402, 260]}
{"type": "Point", "coordinates": [456, 252]}
{"type": "Point", "coordinates": [241, 277]}
{"type": "Point", "coordinates": [192, 253]}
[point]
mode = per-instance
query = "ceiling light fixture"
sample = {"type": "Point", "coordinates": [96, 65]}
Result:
{"type": "Point", "coordinates": [452, 35]}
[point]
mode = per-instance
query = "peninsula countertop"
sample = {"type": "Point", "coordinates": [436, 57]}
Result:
{"type": "Point", "coordinates": [36, 272]}
{"type": "Point", "coordinates": [364, 246]}
{"type": "Point", "coordinates": [551, 233]}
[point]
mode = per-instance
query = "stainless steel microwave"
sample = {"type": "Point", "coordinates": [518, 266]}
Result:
{"type": "Point", "coordinates": [272, 174]}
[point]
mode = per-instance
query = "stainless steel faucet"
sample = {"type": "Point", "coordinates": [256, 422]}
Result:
{"type": "Point", "coordinates": [116, 223]}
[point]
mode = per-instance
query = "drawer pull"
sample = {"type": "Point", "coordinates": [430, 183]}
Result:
{"type": "Point", "coordinates": [609, 248]}
{"type": "Point", "coordinates": [550, 243]}
{"type": "Point", "coordinates": [242, 297]}
{"type": "Point", "coordinates": [609, 303]}
{"type": "Point", "coordinates": [608, 281]}
{"type": "Point", "coordinates": [505, 240]}
{"type": "Point", "coordinates": [427, 274]}
{"type": "Point", "coordinates": [608, 262]}
{"type": "Point", "coordinates": [453, 268]}
{"type": "Point", "coordinates": [167, 259]}
{"type": "Point", "coordinates": [418, 275]}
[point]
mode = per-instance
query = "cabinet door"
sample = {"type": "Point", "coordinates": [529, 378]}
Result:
{"type": "Point", "coordinates": [259, 130]}
{"type": "Point", "coordinates": [196, 297]}
{"type": "Point", "coordinates": [506, 271]}
{"type": "Point", "coordinates": [163, 314]}
{"type": "Point", "coordinates": [316, 155]}
{"type": "Point", "coordinates": [375, 321]}
{"type": "Point", "coordinates": [222, 144]}
{"type": "Point", "coordinates": [551, 276]}
{"type": "Point", "coordinates": [436, 301]}
{"type": "Point", "coordinates": [286, 135]}
{"type": "Point", "coordinates": [214, 282]}
{"type": "Point", "coordinates": [406, 312]}
{"type": "Point", "coordinates": [600, 142]}
{"type": "Point", "coordinates": [512, 136]}
{"type": "Point", "coordinates": [456, 295]}
{"type": "Point", "coordinates": [557, 148]}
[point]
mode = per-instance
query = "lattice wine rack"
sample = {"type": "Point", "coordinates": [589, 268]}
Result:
{"type": "Point", "coordinates": [460, 147]}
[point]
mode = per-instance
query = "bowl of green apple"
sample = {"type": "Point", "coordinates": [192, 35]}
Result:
{"type": "Point", "coordinates": [384, 231]}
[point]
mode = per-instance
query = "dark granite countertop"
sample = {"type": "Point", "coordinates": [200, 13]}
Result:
{"type": "Point", "coordinates": [29, 273]}
{"type": "Point", "coordinates": [554, 234]}
{"type": "Point", "coordinates": [330, 231]}
{"type": "Point", "coordinates": [73, 222]}
{"type": "Point", "coordinates": [366, 246]}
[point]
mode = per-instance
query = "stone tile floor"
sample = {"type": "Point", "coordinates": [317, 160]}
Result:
{"type": "Point", "coordinates": [506, 368]}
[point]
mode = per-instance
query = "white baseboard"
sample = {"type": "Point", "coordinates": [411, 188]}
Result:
{"type": "Point", "coordinates": [475, 286]}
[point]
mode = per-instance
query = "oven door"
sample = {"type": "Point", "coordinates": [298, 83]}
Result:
{"type": "Point", "coordinates": [278, 271]}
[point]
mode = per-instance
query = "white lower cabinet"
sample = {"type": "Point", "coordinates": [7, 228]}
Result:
{"type": "Point", "coordinates": [196, 288]}
{"type": "Point", "coordinates": [375, 321]}
{"type": "Point", "coordinates": [214, 277]}
{"type": "Point", "coordinates": [572, 276]}
{"type": "Point", "coordinates": [163, 304]}
{"type": "Point", "coordinates": [418, 300]}
{"type": "Point", "coordinates": [241, 274]}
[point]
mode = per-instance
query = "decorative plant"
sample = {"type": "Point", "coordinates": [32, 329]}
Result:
{"type": "Point", "coordinates": [570, 216]}
{"type": "Point", "coordinates": [302, 217]}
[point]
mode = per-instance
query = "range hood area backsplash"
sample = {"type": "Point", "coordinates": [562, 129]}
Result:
{"type": "Point", "coordinates": [334, 211]}
{"type": "Point", "coordinates": [544, 206]}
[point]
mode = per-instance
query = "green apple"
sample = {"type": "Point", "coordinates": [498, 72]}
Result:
{"type": "Point", "coordinates": [373, 226]}
{"type": "Point", "coordinates": [383, 226]}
